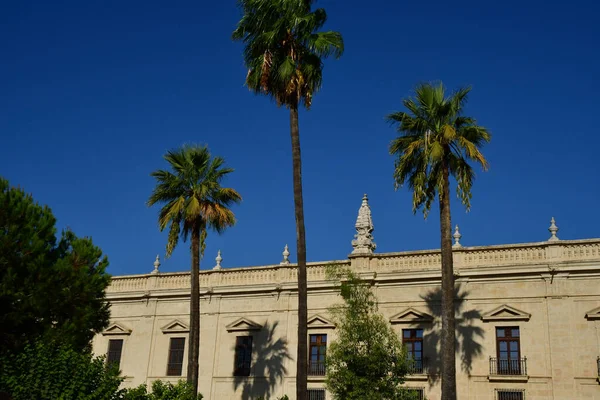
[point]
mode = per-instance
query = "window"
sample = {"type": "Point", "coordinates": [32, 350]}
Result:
{"type": "Point", "coordinates": [316, 394]}
{"type": "Point", "coordinates": [413, 343]}
{"type": "Point", "coordinates": [318, 350]}
{"type": "Point", "coordinates": [115, 348]}
{"type": "Point", "coordinates": [175, 364]}
{"type": "Point", "coordinates": [416, 393]}
{"type": "Point", "coordinates": [509, 351]}
{"type": "Point", "coordinates": [243, 356]}
{"type": "Point", "coordinates": [510, 394]}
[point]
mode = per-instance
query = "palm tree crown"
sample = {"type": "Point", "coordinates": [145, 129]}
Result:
{"type": "Point", "coordinates": [192, 195]}
{"type": "Point", "coordinates": [283, 48]}
{"type": "Point", "coordinates": [435, 134]}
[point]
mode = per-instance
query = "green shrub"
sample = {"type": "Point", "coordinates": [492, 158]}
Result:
{"type": "Point", "coordinates": [162, 391]}
{"type": "Point", "coordinates": [48, 371]}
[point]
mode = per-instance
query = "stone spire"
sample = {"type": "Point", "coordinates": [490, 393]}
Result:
{"type": "Point", "coordinates": [218, 259]}
{"type": "Point", "coordinates": [286, 255]}
{"type": "Point", "coordinates": [457, 237]}
{"type": "Point", "coordinates": [363, 240]}
{"type": "Point", "coordinates": [553, 229]}
{"type": "Point", "coordinates": [156, 265]}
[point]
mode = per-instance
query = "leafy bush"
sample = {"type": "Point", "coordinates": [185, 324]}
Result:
{"type": "Point", "coordinates": [162, 391]}
{"type": "Point", "coordinates": [47, 371]}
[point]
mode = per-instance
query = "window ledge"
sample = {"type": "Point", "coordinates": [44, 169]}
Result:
{"type": "Point", "coordinates": [416, 377]}
{"type": "Point", "coordinates": [508, 378]}
{"type": "Point", "coordinates": [316, 378]}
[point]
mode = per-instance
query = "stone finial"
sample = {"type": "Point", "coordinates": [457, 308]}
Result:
{"type": "Point", "coordinates": [553, 229]}
{"type": "Point", "coordinates": [457, 237]}
{"type": "Point", "coordinates": [156, 265]}
{"type": "Point", "coordinates": [286, 255]}
{"type": "Point", "coordinates": [218, 259]}
{"type": "Point", "coordinates": [363, 240]}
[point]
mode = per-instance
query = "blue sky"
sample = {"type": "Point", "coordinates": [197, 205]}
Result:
{"type": "Point", "coordinates": [94, 93]}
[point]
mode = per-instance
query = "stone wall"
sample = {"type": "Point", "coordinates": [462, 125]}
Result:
{"type": "Point", "coordinates": [549, 290]}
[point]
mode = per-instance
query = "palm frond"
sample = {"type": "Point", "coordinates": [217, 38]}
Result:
{"type": "Point", "coordinates": [433, 132]}
{"type": "Point", "coordinates": [283, 48]}
{"type": "Point", "coordinates": [191, 194]}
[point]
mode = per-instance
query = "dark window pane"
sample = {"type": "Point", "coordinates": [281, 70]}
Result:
{"type": "Point", "coordinates": [317, 351]}
{"type": "Point", "coordinates": [115, 348]}
{"type": "Point", "coordinates": [316, 394]}
{"type": "Point", "coordinates": [499, 332]}
{"type": "Point", "coordinates": [413, 342]}
{"type": "Point", "coordinates": [503, 346]}
{"type": "Point", "coordinates": [243, 356]}
{"type": "Point", "coordinates": [175, 360]}
{"type": "Point", "coordinates": [510, 395]}
{"type": "Point", "coordinates": [514, 332]}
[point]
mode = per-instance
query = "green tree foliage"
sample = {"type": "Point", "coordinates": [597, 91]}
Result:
{"type": "Point", "coordinates": [367, 360]}
{"type": "Point", "coordinates": [163, 391]}
{"type": "Point", "coordinates": [193, 201]}
{"type": "Point", "coordinates": [284, 52]}
{"type": "Point", "coordinates": [437, 141]}
{"type": "Point", "coordinates": [51, 371]}
{"type": "Point", "coordinates": [48, 287]}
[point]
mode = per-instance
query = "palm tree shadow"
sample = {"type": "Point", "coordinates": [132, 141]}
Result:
{"type": "Point", "coordinates": [269, 354]}
{"type": "Point", "coordinates": [468, 335]}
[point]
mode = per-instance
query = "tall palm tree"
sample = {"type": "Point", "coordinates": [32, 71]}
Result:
{"type": "Point", "coordinates": [436, 140]}
{"type": "Point", "coordinates": [283, 53]}
{"type": "Point", "coordinates": [193, 201]}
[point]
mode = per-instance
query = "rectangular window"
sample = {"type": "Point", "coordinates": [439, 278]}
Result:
{"type": "Point", "coordinates": [243, 356]}
{"type": "Point", "coordinates": [318, 350]}
{"type": "Point", "coordinates": [115, 348]}
{"type": "Point", "coordinates": [509, 350]}
{"type": "Point", "coordinates": [176, 349]}
{"type": "Point", "coordinates": [316, 394]}
{"type": "Point", "coordinates": [510, 394]}
{"type": "Point", "coordinates": [416, 393]}
{"type": "Point", "coordinates": [413, 343]}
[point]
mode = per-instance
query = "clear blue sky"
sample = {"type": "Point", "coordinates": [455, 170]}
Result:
{"type": "Point", "coordinates": [94, 92]}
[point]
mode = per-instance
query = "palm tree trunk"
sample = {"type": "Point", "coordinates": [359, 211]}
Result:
{"type": "Point", "coordinates": [301, 360]}
{"type": "Point", "coordinates": [448, 322]}
{"type": "Point", "coordinates": [194, 346]}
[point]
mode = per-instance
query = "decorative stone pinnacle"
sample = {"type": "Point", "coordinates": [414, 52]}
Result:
{"type": "Point", "coordinates": [286, 255]}
{"type": "Point", "coordinates": [553, 229]}
{"type": "Point", "coordinates": [218, 259]}
{"type": "Point", "coordinates": [457, 237]}
{"type": "Point", "coordinates": [156, 265]}
{"type": "Point", "coordinates": [363, 240]}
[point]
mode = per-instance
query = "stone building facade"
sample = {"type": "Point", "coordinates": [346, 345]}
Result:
{"type": "Point", "coordinates": [528, 320]}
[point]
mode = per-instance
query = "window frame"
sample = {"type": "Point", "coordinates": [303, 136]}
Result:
{"type": "Point", "coordinates": [420, 391]}
{"type": "Point", "coordinates": [175, 368]}
{"type": "Point", "coordinates": [410, 341]}
{"type": "Point", "coordinates": [500, 392]}
{"type": "Point", "coordinates": [317, 368]}
{"type": "Point", "coordinates": [316, 392]}
{"type": "Point", "coordinates": [508, 338]}
{"type": "Point", "coordinates": [244, 351]}
{"type": "Point", "coordinates": [110, 352]}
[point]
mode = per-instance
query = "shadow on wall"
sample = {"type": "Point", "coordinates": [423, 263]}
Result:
{"type": "Point", "coordinates": [468, 336]}
{"type": "Point", "coordinates": [269, 354]}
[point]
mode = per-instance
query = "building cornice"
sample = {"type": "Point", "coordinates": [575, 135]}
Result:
{"type": "Point", "coordinates": [525, 260]}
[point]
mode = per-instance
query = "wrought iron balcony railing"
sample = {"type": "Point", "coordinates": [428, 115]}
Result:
{"type": "Point", "coordinates": [508, 367]}
{"type": "Point", "coordinates": [598, 362]}
{"type": "Point", "coordinates": [418, 367]}
{"type": "Point", "coordinates": [316, 368]}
